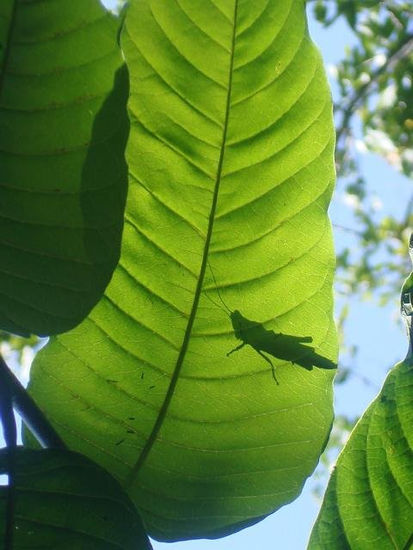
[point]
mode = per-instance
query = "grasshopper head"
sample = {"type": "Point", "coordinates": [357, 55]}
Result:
{"type": "Point", "coordinates": [236, 319]}
{"type": "Point", "coordinates": [236, 316]}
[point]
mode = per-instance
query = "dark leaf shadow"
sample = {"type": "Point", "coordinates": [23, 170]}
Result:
{"type": "Point", "coordinates": [104, 186]}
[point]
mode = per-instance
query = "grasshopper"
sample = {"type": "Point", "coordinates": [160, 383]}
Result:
{"type": "Point", "coordinates": [279, 345]}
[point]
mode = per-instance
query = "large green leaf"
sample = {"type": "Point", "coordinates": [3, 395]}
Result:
{"type": "Point", "coordinates": [369, 499]}
{"type": "Point", "coordinates": [63, 128]}
{"type": "Point", "coordinates": [231, 168]}
{"type": "Point", "coordinates": [64, 501]}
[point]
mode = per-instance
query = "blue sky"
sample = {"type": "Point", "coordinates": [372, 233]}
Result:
{"type": "Point", "coordinates": [381, 343]}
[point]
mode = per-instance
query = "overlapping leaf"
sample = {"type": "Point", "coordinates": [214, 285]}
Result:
{"type": "Point", "coordinates": [63, 500]}
{"type": "Point", "coordinates": [369, 499]}
{"type": "Point", "coordinates": [231, 172]}
{"type": "Point", "coordinates": [63, 128]}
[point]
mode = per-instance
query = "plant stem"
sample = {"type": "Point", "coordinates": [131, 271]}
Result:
{"type": "Point", "coordinates": [32, 416]}
{"type": "Point", "coordinates": [10, 436]}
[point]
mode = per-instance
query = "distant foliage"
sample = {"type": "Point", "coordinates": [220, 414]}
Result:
{"type": "Point", "coordinates": [374, 112]}
{"type": "Point", "coordinates": [375, 79]}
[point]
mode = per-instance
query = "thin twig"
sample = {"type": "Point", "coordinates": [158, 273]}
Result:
{"type": "Point", "coordinates": [32, 416]}
{"type": "Point", "coordinates": [10, 437]}
{"type": "Point", "coordinates": [408, 212]}
{"type": "Point", "coordinates": [348, 229]}
{"type": "Point", "coordinates": [402, 50]}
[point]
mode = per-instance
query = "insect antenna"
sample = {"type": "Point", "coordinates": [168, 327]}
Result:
{"type": "Point", "coordinates": [216, 304]}
{"type": "Point", "coordinates": [217, 289]}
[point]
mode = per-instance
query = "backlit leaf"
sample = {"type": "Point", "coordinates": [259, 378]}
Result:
{"type": "Point", "coordinates": [231, 172]}
{"type": "Point", "coordinates": [369, 499]}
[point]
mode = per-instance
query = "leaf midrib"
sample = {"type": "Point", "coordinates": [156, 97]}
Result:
{"type": "Point", "coordinates": [179, 362]}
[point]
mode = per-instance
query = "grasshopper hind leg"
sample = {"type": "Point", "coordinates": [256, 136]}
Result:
{"type": "Point", "coordinates": [271, 363]}
{"type": "Point", "coordinates": [262, 355]}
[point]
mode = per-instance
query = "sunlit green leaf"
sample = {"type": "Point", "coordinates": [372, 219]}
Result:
{"type": "Point", "coordinates": [64, 501]}
{"type": "Point", "coordinates": [369, 500]}
{"type": "Point", "coordinates": [231, 172]}
{"type": "Point", "coordinates": [63, 127]}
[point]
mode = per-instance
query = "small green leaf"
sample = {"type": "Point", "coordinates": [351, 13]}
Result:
{"type": "Point", "coordinates": [64, 501]}
{"type": "Point", "coordinates": [369, 499]}
{"type": "Point", "coordinates": [63, 128]}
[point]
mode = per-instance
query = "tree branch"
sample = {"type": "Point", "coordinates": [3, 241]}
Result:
{"type": "Point", "coordinates": [8, 422]}
{"type": "Point", "coordinates": [403, 49]}
{"type": "Point", "coordinates": [348, 229]}
{"type": "Point", "coordinates": [32, 416]}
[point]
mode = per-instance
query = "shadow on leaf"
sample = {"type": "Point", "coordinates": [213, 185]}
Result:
{"type": "Point", "coordinates": [279, 345]}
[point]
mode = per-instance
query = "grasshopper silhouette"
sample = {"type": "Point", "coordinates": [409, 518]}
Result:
{"type": "Point", "coordinates": [279, 345]}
